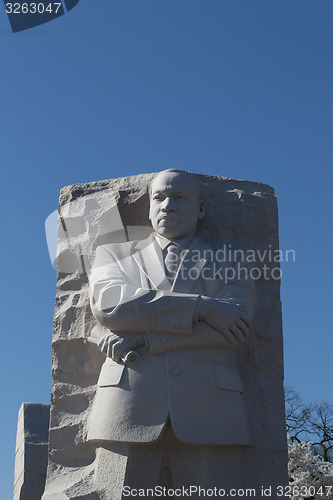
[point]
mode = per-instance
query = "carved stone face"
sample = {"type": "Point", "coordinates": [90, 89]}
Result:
{"type": "Point", "coordinates": [175, 206]}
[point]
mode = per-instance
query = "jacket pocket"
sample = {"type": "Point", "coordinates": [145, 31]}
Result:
{"type": "Point", "coordinates": [227, 378]}
{"type": "Point", "coordinates": [111, 373]}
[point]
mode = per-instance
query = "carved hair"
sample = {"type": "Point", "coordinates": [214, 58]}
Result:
{"type": "Point", "coordinates": [195, 182]}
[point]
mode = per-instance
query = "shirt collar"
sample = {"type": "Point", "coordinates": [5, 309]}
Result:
{"type": "Point", "coordinates": [183, 243]}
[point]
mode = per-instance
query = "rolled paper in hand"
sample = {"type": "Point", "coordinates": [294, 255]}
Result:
{"type": "Point", "coordinates": [129, 357]}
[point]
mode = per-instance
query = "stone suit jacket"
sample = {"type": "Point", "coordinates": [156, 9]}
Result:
{"type": "Point", "coordinates": [187, 370]}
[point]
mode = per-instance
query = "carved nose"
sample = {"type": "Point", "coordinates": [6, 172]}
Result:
{"type": "Point", "coordinates": [167, 205]}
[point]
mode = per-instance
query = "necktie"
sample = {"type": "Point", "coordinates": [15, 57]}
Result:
{"type": "Point", "coordinates": [172, 260]}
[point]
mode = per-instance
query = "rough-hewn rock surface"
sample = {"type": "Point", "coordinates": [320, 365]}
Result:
{"type": "Point", "coordinates": [241, 214]}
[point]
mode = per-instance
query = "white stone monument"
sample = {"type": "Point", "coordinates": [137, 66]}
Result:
{"type": "Point", "coordinates": [185, 388]}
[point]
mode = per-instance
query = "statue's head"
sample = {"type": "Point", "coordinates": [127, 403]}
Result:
{"type": "Point", "coordinates": [176, 203]}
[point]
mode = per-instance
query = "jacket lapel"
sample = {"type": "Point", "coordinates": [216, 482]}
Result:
{"type": "Point", "coordinates": [148, 256]}
{"type": "Point", "coordinates": [190, 267]}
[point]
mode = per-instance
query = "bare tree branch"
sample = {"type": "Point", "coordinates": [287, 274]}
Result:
{"type": "Point", "coordinates": [320, 425]}
{"type": "Point", "coordinates": [310, 423]}
{"type": "Point", "coordinates": [297, 415]}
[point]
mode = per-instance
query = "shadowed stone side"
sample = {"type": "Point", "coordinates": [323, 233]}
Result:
{"type": "Point", "coordinates": [31, 451]}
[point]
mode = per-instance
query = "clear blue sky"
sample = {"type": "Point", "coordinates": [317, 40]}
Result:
{"type": "Point", "coordinates": [239, 88]}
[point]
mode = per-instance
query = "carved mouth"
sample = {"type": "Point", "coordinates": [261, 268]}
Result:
{"type": "Point", "coordinates": [168, 219]}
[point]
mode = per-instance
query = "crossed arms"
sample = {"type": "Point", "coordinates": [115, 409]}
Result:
{"type": "Point", "coordinates": [160, 320]}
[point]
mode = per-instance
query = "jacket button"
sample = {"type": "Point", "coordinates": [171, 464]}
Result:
{"type": "Point", "coordinates": [175, 371]}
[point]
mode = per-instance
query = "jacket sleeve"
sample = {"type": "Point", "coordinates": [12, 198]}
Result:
{"type": "Point", "coordinates": [120, 303]}
{"type": "Point", "coordinates": [202, 336]}
{"type": "Point", "coordinates": [234, 285]}
{"type": "Point", "coordinates": [238, 286]}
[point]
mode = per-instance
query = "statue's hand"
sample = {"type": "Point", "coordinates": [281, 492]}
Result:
{"type": "Point", "coordinates": [226, 317]}
{"type": "Point", "coordinates": [114, 346]}
{"type": "Point", "coordinates": [106, 342]}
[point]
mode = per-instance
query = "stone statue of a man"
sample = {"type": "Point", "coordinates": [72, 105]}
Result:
{"type": "Point", "coordinates": [174, 416]}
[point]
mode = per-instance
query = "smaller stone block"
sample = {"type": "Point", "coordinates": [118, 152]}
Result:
{"type": "Point", "coordinates": [31, 451]}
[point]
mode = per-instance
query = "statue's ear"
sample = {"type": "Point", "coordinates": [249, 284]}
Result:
{"type": "Point", "coordinates": [202, 210]}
